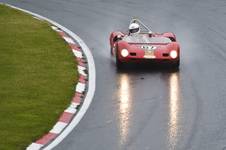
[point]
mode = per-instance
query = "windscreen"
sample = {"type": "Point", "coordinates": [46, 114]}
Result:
{"type": "Point", "coordinates": [145, 39]}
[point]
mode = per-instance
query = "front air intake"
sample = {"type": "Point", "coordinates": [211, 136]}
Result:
{"type": "Point", "coordinates": [132, 54]}
{"type": "Point", "coordinates": [165, 54]}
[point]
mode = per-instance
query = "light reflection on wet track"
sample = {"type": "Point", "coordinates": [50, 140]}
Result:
{"type": "Point", "coordinates": [125, 107]}
{"type": "Point", "coordinates": [174, 109]}
{"type": "Point", "coordinates": [125, 102]}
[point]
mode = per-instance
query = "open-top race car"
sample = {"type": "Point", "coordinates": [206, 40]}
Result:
{"type": "Point", "coordinates": [141, 44]}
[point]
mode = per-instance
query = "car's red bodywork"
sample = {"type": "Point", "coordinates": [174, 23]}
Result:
{"type": "Point", "coordinates": [158, 47]}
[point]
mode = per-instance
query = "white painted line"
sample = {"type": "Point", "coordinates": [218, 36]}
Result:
{"type": "Point", "coordinates": [34, 146]}
{"type": "Point", "coordinates": [71, 110]}
{"type": "Point", "coordinates": [77, 53]}
{"type": "Point", "coordinates": [91, 81]}
{"type": "Point", "coordinates": [80, 87]}
{"type": "Point", "coordinates": [59, 126]}
{"type": "Point", "coordinates": [69, 40]}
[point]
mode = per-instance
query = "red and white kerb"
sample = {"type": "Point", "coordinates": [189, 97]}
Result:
{"type": "Point", "coordinates": [77, 100]}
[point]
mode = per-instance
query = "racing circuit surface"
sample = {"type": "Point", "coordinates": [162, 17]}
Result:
{"type": "Point", "coordinates": [150, 109]}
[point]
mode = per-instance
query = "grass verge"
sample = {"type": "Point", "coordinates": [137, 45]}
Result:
{"type": "Point", "coordinates": [37, 77]}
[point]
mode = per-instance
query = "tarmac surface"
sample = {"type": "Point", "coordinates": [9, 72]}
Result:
{"type": "Point", "coordinates": [149, 108]}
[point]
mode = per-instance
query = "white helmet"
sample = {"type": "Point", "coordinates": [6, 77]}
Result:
{"type": "Point", "coordinates": [134, 28]}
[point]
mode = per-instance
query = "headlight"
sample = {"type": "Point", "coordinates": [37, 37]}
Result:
{"type": "Point", "coordinates": [173, 54]}
{"type": "Point", "coordinates": [124, 52]}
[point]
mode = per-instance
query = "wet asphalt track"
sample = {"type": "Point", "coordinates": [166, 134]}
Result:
{"type": "Point", "coordinates": [150, 109]}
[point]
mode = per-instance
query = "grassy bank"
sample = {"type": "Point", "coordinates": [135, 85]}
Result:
{"type": "Point", "coordinates": [37, 77]}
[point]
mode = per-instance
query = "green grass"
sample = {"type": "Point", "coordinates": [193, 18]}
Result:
{"type": "Point", "coordinates": [37, 78]}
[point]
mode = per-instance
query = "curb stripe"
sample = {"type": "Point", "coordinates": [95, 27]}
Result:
{"type": "Point", "coordinates": [55, 28]}
{"type": "Point", "coordinates": [75, 104]}
{"type": "Point", "coordinates": [71, 110]}
{"type": "Point", "coordinates": [81, 70]}
{"type": "Point", "coordinates": [61, 33]}
{"type": "Point", "coordinates": [65, 117]}
{"type": "Point", "coordinates": [59, 126]}
{"type": "Point", "coordinates": [77, 53]}
{"type": "Point", "coordinates": [82, 79]}
{"type": "Point", "coordinates": [81, 62]}
{"type": "Point", "coordinates": [77, 98]}
{"type": "Point", "coordinates": [46, 138]}
{"type": "Point", "coordinates": [68, 40]}
{"type": "Point", "coordinates": [74, 46]}
{"type": "Point", "coordinates": [37, 18]}
{"type": "Point", "coordinates": [34, 146]}
{"type": "Point", "coordinates": [80, 87]}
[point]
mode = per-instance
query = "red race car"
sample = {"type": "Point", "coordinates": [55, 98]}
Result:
{"type": "Point", "coordinates": [141, 44]}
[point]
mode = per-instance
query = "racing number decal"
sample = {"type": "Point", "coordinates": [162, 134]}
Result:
{"type": "Point", "coordinates": [148, 47]}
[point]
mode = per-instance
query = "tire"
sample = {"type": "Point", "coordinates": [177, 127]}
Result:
{"type": "Point", "coordinates": [119, 63]}
{"type": "Point", "coordinates": [176, 64]}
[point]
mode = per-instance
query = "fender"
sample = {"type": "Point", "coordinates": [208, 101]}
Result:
{"type": "Point", "coordinates": [170, 35]}
{"type": "Point", "coordinates": [114, 39]}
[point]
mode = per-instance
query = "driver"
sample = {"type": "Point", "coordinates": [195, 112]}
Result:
{"type": "Point", "coordinates": [134, 29]}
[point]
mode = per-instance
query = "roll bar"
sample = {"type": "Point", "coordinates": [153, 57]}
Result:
{"type": "Point", "coordinates": [135, 20]}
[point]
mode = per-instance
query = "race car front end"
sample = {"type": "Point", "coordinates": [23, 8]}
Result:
{"type": "Point", "coordinates": [155, 52]}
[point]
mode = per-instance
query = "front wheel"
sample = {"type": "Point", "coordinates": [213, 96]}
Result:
{"type": "Point", "coordinates": [118, 62]}
{"type": "Point", "coordinates": [176, 64]}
